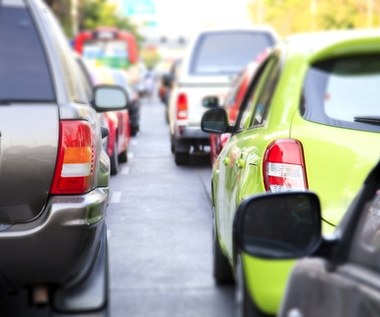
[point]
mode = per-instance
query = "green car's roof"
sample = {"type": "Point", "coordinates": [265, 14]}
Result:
{"type": "Point", "coordinates": [328, 44]}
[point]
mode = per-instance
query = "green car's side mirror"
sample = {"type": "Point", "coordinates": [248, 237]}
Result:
{"type": "Point", "coordinates": [279, 226]}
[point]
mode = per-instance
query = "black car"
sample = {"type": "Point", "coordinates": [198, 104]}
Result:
{"type": "Point", "coordinates": [336, 276]}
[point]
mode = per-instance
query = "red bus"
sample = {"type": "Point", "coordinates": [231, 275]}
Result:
{"type": "Point", "coordinates": [109, 46]}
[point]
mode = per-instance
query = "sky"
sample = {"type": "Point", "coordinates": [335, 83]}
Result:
{"type": "Point", "coordinates": [181, 17]}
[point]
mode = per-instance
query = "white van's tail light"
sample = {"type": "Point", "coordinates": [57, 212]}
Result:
{"type": "Point", "coordinates": [182, 106]}
{"type": "Point", "coordinates": [284, 166]}
{"type": "Point", "coordinates": [74, 171]}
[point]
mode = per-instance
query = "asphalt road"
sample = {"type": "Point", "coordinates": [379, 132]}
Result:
{"type": "Point", "coordinates": [159, 228]}
{"type": "Point", "coordinates": [159, 225]}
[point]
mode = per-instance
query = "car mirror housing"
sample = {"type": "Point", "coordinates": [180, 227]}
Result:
{"type": "Point", "coordinates": [279, 226]}
{"type": "Point", "coordinates": [109, 98]}
{"type": "Point", "coordinates": [215, 121]}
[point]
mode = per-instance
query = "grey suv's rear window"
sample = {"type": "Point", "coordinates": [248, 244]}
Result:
{"type": "Point", "coordinates": [24, 73]}
{"type": "Point", "coordinates": [226, 53]}
{"type": "Point", "coordinates": [344, 92]}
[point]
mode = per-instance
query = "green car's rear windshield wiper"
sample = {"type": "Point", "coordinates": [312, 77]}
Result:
{"type": "Point", "coordinates": [368, 119]}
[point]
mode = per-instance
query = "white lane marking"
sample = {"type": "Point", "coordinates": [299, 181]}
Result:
{"type": "Point", "coordinates": [125, 170]}
{"type": "Point", "coordinates": [115, 198]}
{"type": "Point", "coordinates": [135, 142]}
{"type": "Point", "coordinates": [131, 155]}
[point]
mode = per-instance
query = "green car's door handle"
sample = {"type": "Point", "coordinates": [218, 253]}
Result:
{"type": "Point", "coordinates": [240, 163]}
{"type": "Point", "coordinates": [226, 161]}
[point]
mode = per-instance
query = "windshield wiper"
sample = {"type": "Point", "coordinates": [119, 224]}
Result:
{"type": "Point", "coordinates": [368, 119]}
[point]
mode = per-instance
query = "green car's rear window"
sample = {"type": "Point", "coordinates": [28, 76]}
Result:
{"type": "Point", "coordinates": [24, 72]}
{"type": "Point", "coordinates": [344, 92]}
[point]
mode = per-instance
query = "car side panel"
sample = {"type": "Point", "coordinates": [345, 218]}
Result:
{"type": "Point", "coordinates": [270, 278]}
{"type": "Point", "coordinates": [337, 162]}
{"type": "Point", "coordinates": [315, 291]}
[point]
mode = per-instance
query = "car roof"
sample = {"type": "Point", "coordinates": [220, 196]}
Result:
{"type": "Point", "coordinates": [234, 28]}
{"type": "Point", "coordinates": [319, 45]}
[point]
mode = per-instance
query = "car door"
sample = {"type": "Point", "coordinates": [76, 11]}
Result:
{"type": "Point", "coordinates": [348, 285]}
{"type": "Point", "coordinates": [232, 159]}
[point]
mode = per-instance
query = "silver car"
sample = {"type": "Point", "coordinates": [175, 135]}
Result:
{"type": "Point", "coordinates": [54, 173]}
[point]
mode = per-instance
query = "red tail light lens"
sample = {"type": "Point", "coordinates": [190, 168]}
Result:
{"type": "Point", "coordinates": [74, 171]}
{"type": "Point", "coordinates": [284, 166]}
{"type": "Point", "coordinates": [182, 107]}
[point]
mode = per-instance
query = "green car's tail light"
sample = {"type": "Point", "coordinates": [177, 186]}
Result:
{"type": "Point", "coordinates": [182, 107]}
{"type": "Point", "coordinates": [284, 166]}
{"type": "Point", "coordinates": [74, 172]}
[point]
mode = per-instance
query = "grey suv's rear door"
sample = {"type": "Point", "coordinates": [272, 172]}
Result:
{"type": "Point", "coordinates": [27, 110]}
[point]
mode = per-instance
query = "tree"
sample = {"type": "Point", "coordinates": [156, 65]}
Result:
{"type": "Point", "coordinates": [62, 10]}
{"type": "Point", "coordinates": [290, 16]}
{"type": "Point", "coordinates": [95, 13]}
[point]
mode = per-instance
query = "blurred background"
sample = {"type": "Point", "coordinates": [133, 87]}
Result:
{"type": "Point", "coordinates": [162, 27]}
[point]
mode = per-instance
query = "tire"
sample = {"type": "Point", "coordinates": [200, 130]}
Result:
{"type": "Point", "coordinates": [172, 145]}
{"type": "Point", "coordinates": [134, 130]}
{"type": "Point", "coordinates": [181, 158]}
{"type": "Point", "coordinates": [114, 160]}
{"type": "Point", "coordinates": [244, 305]}
{"type": "Point", "coordinates": [221, 267]}
{"type": "Point", "coordinates": [123, 156]}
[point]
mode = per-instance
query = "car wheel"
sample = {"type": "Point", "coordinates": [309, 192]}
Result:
{"type": "Point", "coordinates": [244, 305]}
{"type": "Point", "coordinates": [134, 130]}
{"type": "Point", "coordinates": [181, 158]}
{"type": "Point", "coordinates": [172, 144]}
{"type": "Point", "coordinates": [221, 267]}
{"type": "Point", "coordinates": [123, 156]}
{"type": "Point", "coordinates": [114, 160]}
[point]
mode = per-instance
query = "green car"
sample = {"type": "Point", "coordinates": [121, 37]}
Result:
{"type": "Point", "coordinates": [309, 121]}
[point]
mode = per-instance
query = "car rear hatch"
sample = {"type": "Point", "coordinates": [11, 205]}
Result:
{"type": "Point", "coordinates": [196, 88]}
{"type": "Point", "coordinates": [29, 118]}
{"type": "Point", "coordinates": [341, 139]}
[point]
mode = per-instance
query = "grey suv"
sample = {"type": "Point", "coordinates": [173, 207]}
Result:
{"type": "Point", "coordinates": [54, 173]}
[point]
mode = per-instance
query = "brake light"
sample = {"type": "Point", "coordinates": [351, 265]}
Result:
{"type": "Point", "coordinates": [74, 171]}
{"type": "Point", "coordinates": [182, 107]}
{"type": "Point", "coordinates": [284, 166]}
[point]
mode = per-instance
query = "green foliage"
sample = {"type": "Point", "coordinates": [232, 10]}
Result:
{"type": "Point", "coordinates": [290, 16]}
{"type": "Point", "coordinates": [95, 13]}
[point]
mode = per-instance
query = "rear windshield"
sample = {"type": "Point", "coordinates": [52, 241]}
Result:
{"type": "Point", "coordinates": [344, 92]}
{"type": "Point", "coordinates": [24, 73]}
{"type": "Point", "coordinates": [226, 53]}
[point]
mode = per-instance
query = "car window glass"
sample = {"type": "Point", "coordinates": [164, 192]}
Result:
{"type": "Point", "coordinates": [226, 53]}
{"type": "Point", "coordinates": [24, 71]}
{"type": "Point", "coordinates": [85, 78]}
{"type": "Point", "coordinates": [70, 66]}
{"type": "Point", "coordinates": [258, 81]}
{"type": "Point", "coordinates": [366, 244]}
{"type": "Point", "coordinates": [235, 86]}
{"type": "Point", "coordinates": [341, 91]}
{"type": "Point", "coordinates": [265, 98]}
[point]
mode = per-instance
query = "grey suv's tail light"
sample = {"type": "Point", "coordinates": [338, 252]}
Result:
{"type": "Point", "coordinates": [74, 171]}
